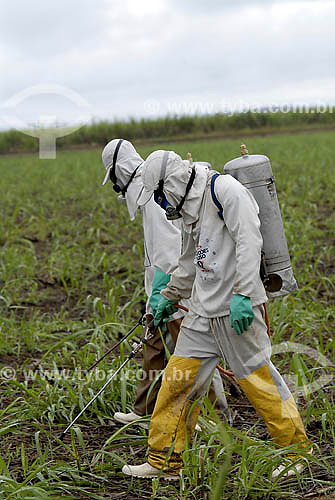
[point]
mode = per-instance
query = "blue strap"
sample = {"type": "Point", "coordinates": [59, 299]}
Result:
{"type": "Point", "coordinates": [216, 201]}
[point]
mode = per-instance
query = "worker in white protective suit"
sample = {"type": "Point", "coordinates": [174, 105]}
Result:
{"type": "Point", "coordinates": [219, 271]}
{"type": "Point", "coordinates": [162, 246]}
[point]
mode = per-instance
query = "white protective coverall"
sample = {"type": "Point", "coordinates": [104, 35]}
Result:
{"type": "Point", "coordinates": [219, 258]}
{"type": "Point", "coordinates": [162, 247]}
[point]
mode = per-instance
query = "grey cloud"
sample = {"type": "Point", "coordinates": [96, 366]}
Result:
{"type": "Point", "coordinates": [212, 6]}
{"type": "Point", "coordinates": [253, 57]}
{"type": "Point", "coordinates": [41, 29]}
{"type": "Point", "coordinates": [118, 62]}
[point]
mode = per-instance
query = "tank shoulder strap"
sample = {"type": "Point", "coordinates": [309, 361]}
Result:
{"type": "Point", "coordinates": [214, 198]}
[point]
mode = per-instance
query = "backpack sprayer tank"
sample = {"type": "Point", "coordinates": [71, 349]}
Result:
{"type": "Point", "coordinates": [255, 173]}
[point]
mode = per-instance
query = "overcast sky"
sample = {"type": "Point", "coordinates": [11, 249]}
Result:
{"type": "Point", "coordinates": [79, 59]}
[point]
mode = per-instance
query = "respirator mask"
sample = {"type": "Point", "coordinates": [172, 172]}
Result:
{"type": "Point", "coordinates": [172, 213]}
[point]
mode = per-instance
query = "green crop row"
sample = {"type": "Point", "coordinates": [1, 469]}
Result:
{"type": "Point", "coordinates": [71, 280]}
{"type": "Point", "coordinates": [187, 127]}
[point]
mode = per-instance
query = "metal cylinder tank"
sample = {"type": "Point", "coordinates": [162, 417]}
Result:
{"type": "Point", "coordinates": [255, 173]}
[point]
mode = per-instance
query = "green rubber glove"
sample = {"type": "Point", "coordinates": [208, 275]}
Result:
{"type": "Point", "coordinates": [160, 281]}
{"type": "Point", "coordinates": [241, 313]}
{"type": "Point", "coordinates": [164, 309]}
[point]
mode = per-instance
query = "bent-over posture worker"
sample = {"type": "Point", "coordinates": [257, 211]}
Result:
{"type": "Point", "coordinates": [162, 247]}
{"type": "Point", "coordinates": [219, 271]}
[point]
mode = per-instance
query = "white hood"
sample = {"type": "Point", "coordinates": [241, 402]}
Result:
{"type": "Point", "coordinates": [127, 161]}
{"type": "Point", "coordinates": [176, 177]}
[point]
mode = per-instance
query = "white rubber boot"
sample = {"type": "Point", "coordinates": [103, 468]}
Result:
{"type": "Point", "coordinates": [292, 470]}
{"type": "Point", "coordinates": [128, 418]}
{"type": "Point", "coordinates": [147, 471]}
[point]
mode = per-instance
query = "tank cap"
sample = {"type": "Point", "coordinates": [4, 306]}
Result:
{"type": "Point", "coordinates": [189, 157]}
{"type": "Point", "coordinates": [244, 150]}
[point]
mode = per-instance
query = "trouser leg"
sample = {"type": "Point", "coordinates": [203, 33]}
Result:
{"type": "Point", "coordinates": [174, 328]}
{"type": "Point", "coordinates": [154, 361]}
{"type": "Point", "coordinates": [217, 392]}
{"type": "Point", "coordinates": [186, 379]}
{"type": "Point", "coordinates": [249, 357]}
{"type": "Point", "coordinates": [196, 355]}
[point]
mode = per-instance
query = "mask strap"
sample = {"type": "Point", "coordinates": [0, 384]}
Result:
{"type": "Point", "coordinates": [188, 187]}
{"type": "Point", "coordinates": [112, 175]}
{"type": "Point", "coordinates": [159, 193]}
{"type": "Point", "coordinates": [124, 190]}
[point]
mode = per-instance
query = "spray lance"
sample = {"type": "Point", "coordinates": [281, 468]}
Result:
{"type": "Point", "coordinates": [139, 323]}
{"type": "Point", "coordinates": [135, 348]}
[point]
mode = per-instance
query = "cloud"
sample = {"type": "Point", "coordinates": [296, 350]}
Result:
{"type": "Point", "coordinates": [216, 6]}
{"type": "Point", "coordinates": [44, 29]}
{"type": "Point", "coordinates": [120, 55]}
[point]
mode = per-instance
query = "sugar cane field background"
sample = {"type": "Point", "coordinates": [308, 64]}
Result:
{"type": "Point", "coordinates": [71, 282]}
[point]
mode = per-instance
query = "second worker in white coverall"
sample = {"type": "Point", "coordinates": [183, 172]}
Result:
{"type": "Point", "coordinates": [162, 247]}
{"type": "Point", "coordinates": [219, 271]}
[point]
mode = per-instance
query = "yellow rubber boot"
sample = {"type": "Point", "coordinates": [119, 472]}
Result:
{"type": "Point", "coordinates": [174, 416]}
